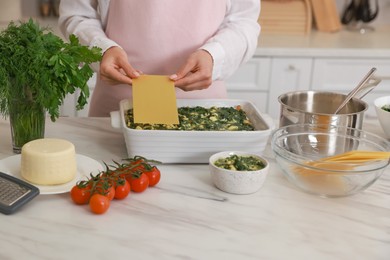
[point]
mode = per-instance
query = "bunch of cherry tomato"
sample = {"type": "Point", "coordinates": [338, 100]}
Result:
{"type": "Point", "coordinates": [115, 182]}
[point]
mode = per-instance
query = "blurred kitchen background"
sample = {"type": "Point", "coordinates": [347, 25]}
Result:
{"type": "Point", "coordinates": [304, 45]}
{"type": "Point", "coordinates": [47, 10]}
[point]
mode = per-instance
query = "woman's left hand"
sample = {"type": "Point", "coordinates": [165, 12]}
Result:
{"type": "Point", "coordinates": [196, 73]}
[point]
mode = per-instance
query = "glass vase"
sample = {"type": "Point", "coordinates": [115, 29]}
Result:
{"type": "Point", "coordinates": [27, 121]}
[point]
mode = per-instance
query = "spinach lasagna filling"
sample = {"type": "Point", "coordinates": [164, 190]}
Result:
{"type": "Point", "coordinates": [200, 119]}
{"type": "Point", "coordinates": [240, 163]}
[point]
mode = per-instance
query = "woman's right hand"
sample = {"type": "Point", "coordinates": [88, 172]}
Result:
{"type": "Point", "coordinates": [115, 67]}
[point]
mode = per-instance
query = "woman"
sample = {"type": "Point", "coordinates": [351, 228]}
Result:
{"type": "Point", "coordinates": [196, 43]}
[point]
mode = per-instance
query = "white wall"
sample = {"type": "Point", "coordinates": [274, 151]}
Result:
{"type": "Point", "coordinates": [30, 7]}
{"type": "Point", "coordinates": [16, 9]}
{"type": "Point", "coordinates": [10, 10]}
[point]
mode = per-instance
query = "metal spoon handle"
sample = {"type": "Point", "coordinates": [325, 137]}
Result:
{"type": "Point", "coordinates": [358, 88]}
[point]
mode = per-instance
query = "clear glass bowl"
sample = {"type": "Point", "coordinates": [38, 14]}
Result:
{"type": "Point", "coordinates": [297, 146]}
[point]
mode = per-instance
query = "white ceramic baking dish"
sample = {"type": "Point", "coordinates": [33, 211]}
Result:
{"type": "Point", "coordinates": [173, 146]}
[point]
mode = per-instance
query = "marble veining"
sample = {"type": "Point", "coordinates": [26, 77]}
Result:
{"type": "Point", "coordinates": [187, 217]}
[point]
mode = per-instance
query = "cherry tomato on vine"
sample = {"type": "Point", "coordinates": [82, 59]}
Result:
{"type": "Point", "coordinates": [154, 176]}
{"type": "Point", "coordinates": [99, 203]}
{"type": "Point", "coordinates": [137, 166]}
{"type": "Point", "coordinates": [121, 191]}
{"type": "Point", "coordinates": [111, 193]}
{"type": "Point", "coordinates": [130, 169]}
{"type": "Point", "coordinates": [137, 161]}
{"type": "Point", "coordinates": [139, 184]}
{"type": "Point", "coordinates": [80, 195]}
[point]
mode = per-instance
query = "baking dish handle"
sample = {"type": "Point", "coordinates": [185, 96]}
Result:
{"type": "Point", "coordinates": [269, 121]}
{"type": "Point", "coordinates": [115, 119]}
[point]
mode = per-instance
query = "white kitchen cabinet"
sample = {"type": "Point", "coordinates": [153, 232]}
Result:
{"type": "Point", "coordinates": [91, 84]}
{"type": "Point", "coordinates": [263, 79]}
{"type": "Point", "coordinates": [251, 82]}
{"type": "Point", "coordinates": [69, 106]}
{"type": "Point", "coordinates": [287, 74]}
{"type": "Point", "coordinates": [342, 75]}
{"type": "Point", "coordinates": [251, 76]}
{"type": "Point", "coordinates": [345, 74]}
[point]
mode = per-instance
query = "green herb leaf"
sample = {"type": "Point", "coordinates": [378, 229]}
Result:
{"type": "Point", "coordinates": [37, 65]}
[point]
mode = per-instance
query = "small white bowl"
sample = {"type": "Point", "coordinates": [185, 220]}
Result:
{"type": "Point", "coordinates": [237, 182]}
{"type": "Point", "coordinates": [383, 116]}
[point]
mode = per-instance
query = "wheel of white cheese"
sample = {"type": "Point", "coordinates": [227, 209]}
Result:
{"type": "Point", "coordinates": [48, 161]}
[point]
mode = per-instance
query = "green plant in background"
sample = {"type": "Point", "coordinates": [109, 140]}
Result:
{"type": "Point", "coordinates": [37, 70]}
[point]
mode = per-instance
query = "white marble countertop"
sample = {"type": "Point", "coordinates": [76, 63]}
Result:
{"type": "Point", "coordinates": [186, 217]}
{"type": "Point", "coordinates": [341, 44]}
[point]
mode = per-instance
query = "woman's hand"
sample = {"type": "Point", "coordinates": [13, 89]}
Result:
{"type": "Point", "coordinates": [196, 73]}
{"type": "Point", "coordinates": [115, 67]}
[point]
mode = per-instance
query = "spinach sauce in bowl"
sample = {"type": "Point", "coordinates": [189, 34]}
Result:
{"type": "Point", "coordinates": [386, 108]}
{"type": "Point", "coordinates": [240, 163]}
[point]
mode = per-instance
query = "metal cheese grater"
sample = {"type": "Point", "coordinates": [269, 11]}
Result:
{"type": "Point", "coordinates": [14, 193]}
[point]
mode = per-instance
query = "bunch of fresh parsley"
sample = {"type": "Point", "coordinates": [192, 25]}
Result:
{"type": "Point", "coordinates": [36, 65]}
